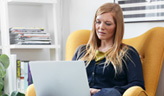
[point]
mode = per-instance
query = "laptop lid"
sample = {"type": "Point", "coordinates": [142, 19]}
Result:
{"type": "Point", "coordinates": [59, 78]}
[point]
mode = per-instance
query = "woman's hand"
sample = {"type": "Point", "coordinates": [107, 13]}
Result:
{"type": "Point", "coordinates": [93, 91]}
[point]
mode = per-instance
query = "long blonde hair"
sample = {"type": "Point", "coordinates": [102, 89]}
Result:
{"type": "Point", "coordinates": [118, 50]}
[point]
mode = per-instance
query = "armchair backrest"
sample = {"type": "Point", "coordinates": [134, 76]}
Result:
{"type": "Point", "coordinates": [150, 46]}
{"type": "Point", "coordinates": [74, 40]}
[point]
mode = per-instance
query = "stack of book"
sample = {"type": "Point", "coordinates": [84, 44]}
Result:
{"type": "Point", "coordinates": [29, 36]}
{"type": "Point", "coordinates": [24, 77]}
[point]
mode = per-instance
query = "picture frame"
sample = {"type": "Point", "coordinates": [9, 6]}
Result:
{"type": "Point", "coordinates": [142, 10]}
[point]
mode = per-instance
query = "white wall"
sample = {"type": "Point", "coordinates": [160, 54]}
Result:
{"type": "Point", "coordinates": [136, 29]}
{"type": "Point", "coordinates": [78, 14]}
{"type": "Point", "coordinates": [82, 13]}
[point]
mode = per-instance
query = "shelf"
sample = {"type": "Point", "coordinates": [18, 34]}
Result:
{"type": "Point", "coordinates": [33, 1]}
{"type": "Point", "coordinates": [28, 13]}
{"type": "Point", "coordinates": [34, 46]}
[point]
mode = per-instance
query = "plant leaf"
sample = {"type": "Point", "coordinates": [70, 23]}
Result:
{"type": "Point", "coordinates": [2, 71]}
{"type": "Point", "coordinates": [1, 84]}
{"type": "Point", "coordinates": [4, 95]}
{"type": "Point", "coordinates": [16, 93]}
{"type": "Point", "coordinates": [4, 59]}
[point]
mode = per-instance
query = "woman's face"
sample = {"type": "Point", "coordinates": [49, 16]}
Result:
{"type": "Point", "coordinates": [105, 26]}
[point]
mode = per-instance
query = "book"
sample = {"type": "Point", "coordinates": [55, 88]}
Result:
{"type": "Point", "coordinates": [25, 78]}
{"type": "Point", "coordinates": [22, 77]}
{"type": "Point", "coordinates": [29, 36]}
{"type": "Point", "coordinates": [18, 68]}
{"type": "Point", "coordinates": [25, 74]}
{"type": "Point", "coordinates": [33, 43]}
{"type": "Point", "coordinates": [26, 29]}
{"type": "Point", "coordinates": [30, 81]}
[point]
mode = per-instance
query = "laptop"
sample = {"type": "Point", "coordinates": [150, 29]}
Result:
{"type": "Point", "coordinates": [59, 78]}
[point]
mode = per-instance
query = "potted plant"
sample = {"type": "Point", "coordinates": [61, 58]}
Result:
{"type": "Point", "coordinates": [4, 63]}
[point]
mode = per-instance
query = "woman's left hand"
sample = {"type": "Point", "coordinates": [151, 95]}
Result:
{"type": "Point", "coordinates": [93, 91]}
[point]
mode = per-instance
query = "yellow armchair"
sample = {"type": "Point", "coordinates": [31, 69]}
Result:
{"type": "Point", "coordinates": [150, 46]}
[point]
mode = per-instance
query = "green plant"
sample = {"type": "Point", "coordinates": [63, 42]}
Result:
{"type": "Point", "coordinates": [16, 93]}
{"type": "Point", "coordinates": [4, 63]}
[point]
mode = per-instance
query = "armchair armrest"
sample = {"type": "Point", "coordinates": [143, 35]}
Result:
{"type": "Point", "coordinates": [135, 91]}
{"type": "Point", "coordinates": [30, 91]}
{"type": "Point", "coordinates": [132, 91]}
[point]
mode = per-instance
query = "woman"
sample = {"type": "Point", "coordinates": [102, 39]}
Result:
{"type": "Point", "coordinates": [112, 67]}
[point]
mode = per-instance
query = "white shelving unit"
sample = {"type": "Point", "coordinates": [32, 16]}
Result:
{"type": "Point", "coordinates": [33, 46]}
{"type": "Point", "coordinates": [33, 1]}
{"type": "Point", "coordinates": [29, 13]}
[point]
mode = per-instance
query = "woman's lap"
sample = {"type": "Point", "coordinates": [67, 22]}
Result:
{"type": "Point", "coordinates": [108, 92]}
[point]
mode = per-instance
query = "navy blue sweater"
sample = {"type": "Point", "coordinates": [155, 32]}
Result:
{"type": "Point", "coordinates": [132, 74]}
